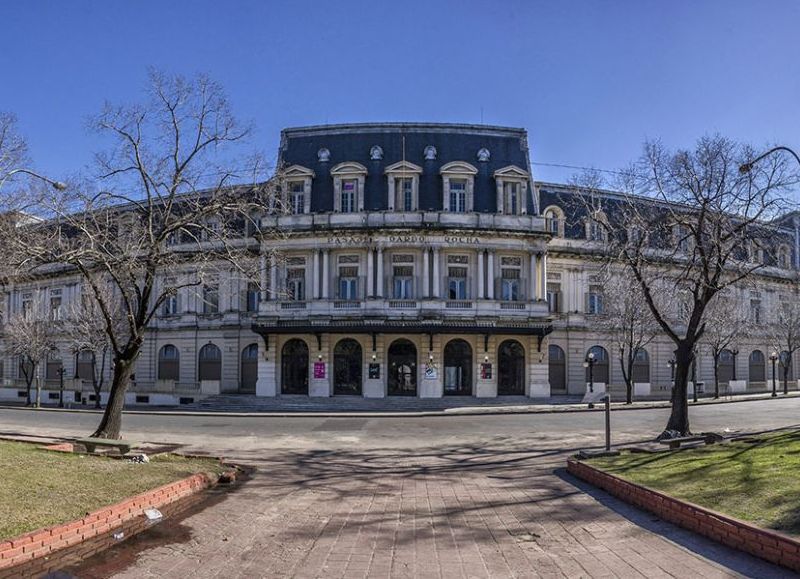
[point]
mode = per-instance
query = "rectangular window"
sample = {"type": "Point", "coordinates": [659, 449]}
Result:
{"type": "Point", "coordinates": [27, 303]}
{"type": "Point", "coordinates": [296, 284]}
{"type": "Point", "coordinates": [595, 231]}
{"type": "Point", "coordinates": [348, 283]}
{"type": "Point", "coordinates": [554, 297]}
{"type": "Point", "coordinates": [458, 196]}
{"type": "Point", "coordinates": [349, 188]}
{"type": "Point", "coordinates": [252, 297]}
{"type": "Point", "coordinates": [403, 282]}
{"type": "Point", "coordinates": [405, 194]}
{"type": "Point", "coordinates": [512, 198]}
{"type": "Point", "coordinates": [211, 298]}
{"type": "Point", "coordinates": [457, 283]}
{"type": "Point", "coordinates": [755, 311]}
{"type": "Point", "coordinates": [595, 301]}
{"type": "Point", "coordinates": [297, 198]}
{"type": "Point", "coordinates": [55, 304]}
{"type": "Point", "coordinates": [509, 284]}
{"type": "Point", "coordinates": [170, 306]}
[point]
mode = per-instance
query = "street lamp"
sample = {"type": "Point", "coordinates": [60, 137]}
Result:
{"type": "Point", "coordinates": [747, 167]}
{"type": "Point", "coordinates": [589, 362]}
{"type": "Point", "coordinates": [58, 185]}
{"type": "Point", "coordinates": [773, 358]}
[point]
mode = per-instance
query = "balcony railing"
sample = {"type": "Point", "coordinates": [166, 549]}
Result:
{"type": "Point", "coordinates": [512, 305]}
{"type": "Point", "coordinates": [402, 304]}
{"type": "Point", "coordinates": [458, 305]}
{"type": "Point", "coordinates": [293, 305]}
{"type": "Point", "coordinates": [346, 305]}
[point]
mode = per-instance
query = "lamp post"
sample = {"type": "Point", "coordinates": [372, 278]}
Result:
{"type": "Point", "coordinates": [58, 185]}
{"type": "Point", "coordinates": [773, 358]}
{"type": "Point", "coordinates": [747, 167]}
{"type": "Point", "coordinates": [589, 363]}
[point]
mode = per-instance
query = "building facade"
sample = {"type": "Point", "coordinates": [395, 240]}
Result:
{"type": "Point", "coordinates": [415, 260]}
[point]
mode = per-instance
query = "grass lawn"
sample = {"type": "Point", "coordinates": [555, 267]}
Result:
{"type": "Point", "coordinates": [39, 488]}
{"type": "Point", "coordinates": [757, 481]}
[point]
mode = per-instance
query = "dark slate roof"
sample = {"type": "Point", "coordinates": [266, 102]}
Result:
{"type": "Point", "coordinates": [453, 142]}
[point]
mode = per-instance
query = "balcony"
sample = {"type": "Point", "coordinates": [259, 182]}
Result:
{"type": "Point", "coordinates": [459, 305]}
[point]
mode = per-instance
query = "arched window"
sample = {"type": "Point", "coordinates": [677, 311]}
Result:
{"type": "Point", "coordinates": [53, 367]}
{"type": "Point", "coordinates": [458, 368]}
{"type": "Point", "coordinates": [249, 369]}
{"type": "Point", "coordinates": [210, 363]}
{"type": "Point", "coordinates": [511, 369]}
{"type": "Point", "coordinates": [347, 367]}
{"type": "Point", "coordinates": [294, 367]}
{"type": "Point", "coordinates": [757, 367]}
{"type": "Point", "coordinates": [558, 369]}
{"type": "Point", "coordinates": [554, 220]}
{"type": "Point", "coordinates": [599, 370]}
{"type": "Point", "coordinates": [641, 367]}
{"type": "Point", "coordinates": [725, 366]}
{"type": "Point", "coordinates": [85, 367]}
{"type": "Point", "coordinates": [168, 363]}
{"type": "Point", "coordinates": [402, 371]}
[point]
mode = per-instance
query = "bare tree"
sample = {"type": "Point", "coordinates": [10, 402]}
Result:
{"type": "Point", "coordinates": [29, 338]}
{"type": "Point", "coordinates": [628, 321]}
{"type": "Point", "coordinates": [786, 332]}
{"type": "Point", "coordinates": [684, 241]}
{"type": "Point", "coordinates": [724, 319]}
{"type": "Point", "coordinates": [13, 149]}
{"type": "Point", "coordinates": [173, 192]}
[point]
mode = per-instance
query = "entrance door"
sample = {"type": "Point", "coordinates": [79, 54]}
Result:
{"type": "Point", "coordinates": [347, 368]}
{"type": "Point", "coordinates": [249, 370]}
{"type": "Point", "coordinates": [557, 369]}
{"type": "Point", "coordinates": [511, 369]}
{"type": "Point", "coordinates": [294, 367]}
{"type": "Point", "coordinates": [402, 373]}
{"type": "Point", "coordinates": [458, 368]}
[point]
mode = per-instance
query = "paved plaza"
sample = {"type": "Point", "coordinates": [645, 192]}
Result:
{"type": "Point", "coordinates": [427, 497]}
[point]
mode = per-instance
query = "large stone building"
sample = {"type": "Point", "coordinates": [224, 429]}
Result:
{"type": "Point", "coordinates": [417, 260]}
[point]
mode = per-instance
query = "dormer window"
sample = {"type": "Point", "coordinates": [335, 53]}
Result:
{"type": "Point", "coordinates": [458, 180]}
{"type": "Point", "coordinates": [512, 190]}
{"type": "Point", "coordinates": [297, 198]}
{"type": "Point", "coordinates": [403, 186]}
{"type": "Point", "coordinates": [554, 221]}
{"type": "Point", "coordinates": [348, 187]}
{"type": "Point", "coordinates": [596, 227]}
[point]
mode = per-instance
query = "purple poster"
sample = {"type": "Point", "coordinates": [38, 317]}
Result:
{"type": "Point", "coordinates": [319, 370]}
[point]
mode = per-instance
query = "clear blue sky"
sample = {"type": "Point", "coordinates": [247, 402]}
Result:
{"type": "Point", "coordinates": [590, 80]}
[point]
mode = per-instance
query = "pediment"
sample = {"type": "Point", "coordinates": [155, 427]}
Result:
{"type": "Point", "coordinates": [348, 168]}
{"type": "Point", "coordinates": [458, 167]}
{"type": "Point", "coordinates": [511, 171]}
{"type": "Point", "coordinates": [298, 171]}
{"type": "Point", "coordinates": [403, 167]}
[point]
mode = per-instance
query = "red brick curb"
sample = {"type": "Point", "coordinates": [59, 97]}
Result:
{"type": "Point", "coordinates": [43, 542]}
{"type": "Point", "coordinates": [769, 545]}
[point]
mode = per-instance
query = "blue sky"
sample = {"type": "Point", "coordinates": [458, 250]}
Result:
{"type": "Point", "coordinates": [590, 80]}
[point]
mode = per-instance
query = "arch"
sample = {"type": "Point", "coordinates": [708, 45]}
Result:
{"type": "Point", "coordinates": [641, 367]}
{"type": "Point", "coordinates": [84, 366]}
{"type": "Point", "coordinates": [169, 363]}
{"type": "Point", "coordinates": [511, 369]}
{"type": "Point", "coordinates": [294, 367]}
{"type": "Point", "coordinates": [402, 369]}
{"type": "Point", "coordinates": [347, 367]}
{"type": "Point", "coordinates": [557, 371]}
{"type": "Point", "coordinates": [209, 363]}
{"type": "Point", "coordinates": [756, 367]}
{"type": "Point", "coordinates": [554, 220]}
{"type": "Point", "coordinates": [348, 168]}
{"type": "Point", "coordinates": [725, 366]}
{"type": "Point", "coordinates": [600, 370]}
{"type": "Point", "coordinates": [458, 167]}
{"type": "Point", "coordinates": [458, 368]}
{"type": "Point", "coordinates": [248, 372]}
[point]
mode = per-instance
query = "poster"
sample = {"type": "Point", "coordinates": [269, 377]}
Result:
{"type": "Point", "coordinates": [374, 371]}
{"type": "Point", "coordinates": [430, 371]}
{"type": "Point", "coordinates": [319, 370]}
{"type": "Point", "coordinates": [486, 371]}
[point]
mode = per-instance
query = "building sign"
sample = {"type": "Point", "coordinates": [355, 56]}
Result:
{"type": "Point", "coordinates": [350, 240]}
{"type": "Point", "coordinates": [319, 370]}
{"type": "Point", "coordinates": [374, 371]}
{"type": "Point", "coordinates": [486, 371]}
{"type": "Point", "coordinates": [404, 239]}
{"type": "Point", "coordinates": [430, 371]}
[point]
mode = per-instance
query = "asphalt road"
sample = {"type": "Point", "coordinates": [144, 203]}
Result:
{"type": "Point", "coordinates": [236, 435]}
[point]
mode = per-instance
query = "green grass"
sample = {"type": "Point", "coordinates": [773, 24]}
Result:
{"type": "Point", "coordinates": [757, 480]}
{"type": "Point", "coordinates": [39, 488]}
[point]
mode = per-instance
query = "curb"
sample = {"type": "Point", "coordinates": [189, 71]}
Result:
{"type": "Point", "coordinates": [42, 543]}
{"type": "Point", "coordinates": [457, 411]}
{"type": "Point", "coordinates": [766, 544]}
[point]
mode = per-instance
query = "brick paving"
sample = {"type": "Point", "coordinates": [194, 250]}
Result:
{"type": "Point", "coordinates": [493, 509]}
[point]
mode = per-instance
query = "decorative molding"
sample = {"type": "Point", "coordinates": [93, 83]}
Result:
{"type": "Point", "coordinates": [458, 168]}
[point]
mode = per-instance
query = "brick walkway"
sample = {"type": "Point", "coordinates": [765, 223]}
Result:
{"type": "Point", "coordinates": [458, 511]}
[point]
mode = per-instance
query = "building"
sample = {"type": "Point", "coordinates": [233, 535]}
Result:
{"type": "Point", "coordinates": [417, 260]}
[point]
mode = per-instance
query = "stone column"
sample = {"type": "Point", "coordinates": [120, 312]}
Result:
{"type": "Point", "coordinates": [325, 274]}
{"type": "Point", "coordinates": [262, 277]}
{"type": "Point", "coordinates": [273, 277]}
{"type": "Point", "coordinates": [534, 278]}
{"type": "Point", "coordinates": [543, 276]}
{"type": "Point", "coordinates": [315, 276]}
{"type": "Point", "coordinates": [266, 382]}
{"type": "Point", "coordinates": [426, 272]}
{"type": "Point", "coordinates": [379, 291]}
{"type": "Point", "coordinates": [490, 276]}
{"type": "Point", "coordinates": [436, 280]}
{"type": "Point", "coordinates": [370, 274]}
{"type": "Point", "coordinates": [480, 275]}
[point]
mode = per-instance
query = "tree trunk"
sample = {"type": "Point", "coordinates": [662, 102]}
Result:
{"type": "Point", "coordinates": [28, 400]}
{"type": "Point", "coordinates": [38, 391]}
{"type": "Point", "coordinates": [679, 417]}
{"type": "Point", "coordinates": [786, 379]}
{"type": "Point", "coordinates": [716, 377]}
{"type": "Point", "coordinates": [111, 424]}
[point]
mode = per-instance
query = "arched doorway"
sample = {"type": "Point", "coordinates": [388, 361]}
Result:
{"type": "Point", "coordinates": [511, 369]}
{"type": "Point", "coordinates": [757, 367]}
{"type": "Point", "coordinates": [402, 372]}
{"type": "Point", "coordinates": [599, 373]}
{"type": "Point", "coordinates": [168, 363]}
{"type": "Point", "coordinates": [725, 366]}
{"type": "Point", "coordinates": [641, 367]}
{"type": "Point", "coordinates": [458, 368]}
{"type": "Point", "coordinates": [209, 363]}
{"type": "Point", "coordinates": [557, 372]}
{"type": "Point", "coordinates": [294, 367]}
{"type": "Point", "coordinates": [249, 369]}
{"type": "Point", "coordinates": [347, 368]}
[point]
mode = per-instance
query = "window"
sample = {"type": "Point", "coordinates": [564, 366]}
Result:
{"type": "Point", "coordinates": [86, 364]}
{"type": "Point", "coordinates": [348, 197]}
{"type": "Point", "coordinates": [595, 300]}
{"type": "Point", "coordinates": [168, 363]}
{"type": "Point", "coordinates": [405, 192]}
{"type": "Point", "coordinates": [552, 221]}
{"type": "Point", "coordinates": [510, 274]}
{"type": "Point", "coordinates": [297, 197]}
{"type": "Point", "coordinates": [211, 298]}
{"type": "Point", "coordinates": [55, 304]}
{"type": "Point", "coordinates": [296, 284]}
{"type": "Point", "coordinates": [553, 297]}
{"type": "Point", "coordinates": [348, 282]}
{"type": "Point", "coordinates": [755, 310]}
{"type": "Point", "coordinates": [252, 297]}
{"type": "Point", "coordinates": [512, 189]}
{"type": "Point", "coordinates": [457, 283]}
{"type": "Point", "coordinates": [403, 184]}
{"type": "Point", "coordinates": [402, 287]}
{"type": "Point", "coordinates": [458, 195]}
{"type": "Point", "coordinates": [512, 198]}
{"type": "Point", "coordinates": [595, 231]}
{"type": "Point", "coordinates": [170, 305]}
{"type": "Point", "coordinates": [209, 363]}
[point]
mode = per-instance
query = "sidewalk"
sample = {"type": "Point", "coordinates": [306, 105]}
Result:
{"type": "Point", "coordinates": [302, 406]}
